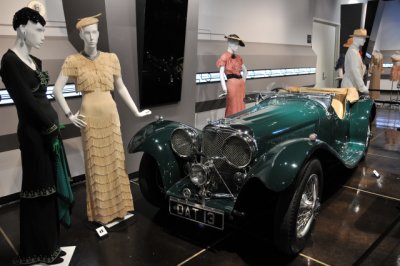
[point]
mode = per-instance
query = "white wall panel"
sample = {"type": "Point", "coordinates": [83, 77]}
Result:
{"type": "Point", "coordinates": [263, 21]}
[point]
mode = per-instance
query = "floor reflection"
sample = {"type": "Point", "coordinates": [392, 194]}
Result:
{"type": "Point", "coordinates": [392, 139]}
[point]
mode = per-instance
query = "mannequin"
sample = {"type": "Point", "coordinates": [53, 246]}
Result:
{"type": "Point", "coordinates": [340, 62]}
{"type": "Point", "coordinates": [231, 64]}
{"type": "Point", "coordinates": [108, 194]}
{"type": "Point", "coordinates": [376, 70]}
{"type": "Point", "coordinates": [354, 67]}
{"type": "Point", "coordinates": [38, 134]}
{"type": "Point", "coordinates": [395, 71]}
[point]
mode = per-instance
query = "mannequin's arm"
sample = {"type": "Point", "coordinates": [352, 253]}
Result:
{"type": "Point", "coordinates": [126, 97]}
{"type": "Point", "coordinates": [76, 119]}
{"type": "Point", "coordinates": [340, 73]}
{"type": "Point", "coordinates": [244, 69]}
{"type": "Point", "coordinates": [222, 78]}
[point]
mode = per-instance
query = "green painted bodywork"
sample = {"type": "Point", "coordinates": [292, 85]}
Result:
{"type": "Point", "coordinates": [281, 127]}
{"type": "Point", "coordinates": [154, 139]}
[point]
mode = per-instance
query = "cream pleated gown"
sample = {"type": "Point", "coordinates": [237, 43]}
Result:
{"type": "Point", "coordinates": [108, 193]}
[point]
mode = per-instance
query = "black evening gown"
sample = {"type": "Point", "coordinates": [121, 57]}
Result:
{"type": "Point", "coordinates": [39, 225]}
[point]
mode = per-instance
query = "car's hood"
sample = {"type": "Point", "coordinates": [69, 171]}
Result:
{"type": "Point", "coordinates": [274, 118]}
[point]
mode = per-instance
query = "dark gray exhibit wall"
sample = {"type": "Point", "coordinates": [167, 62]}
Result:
{"type": "Point", "coordinates": [350, 19]}
{"type": "Point", "coordinates": [75, 9]}
{"type": "Point", "coordinates": [373, 34]}
{"type": "Point", "coordinates": [122, 33]}
{"type": "Point", "coordinates": [161, 41]}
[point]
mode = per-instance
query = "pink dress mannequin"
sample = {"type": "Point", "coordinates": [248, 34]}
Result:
{"type": "Point", "coordinates": [231, 64]}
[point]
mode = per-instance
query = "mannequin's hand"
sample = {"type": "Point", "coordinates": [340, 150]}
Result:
{"type": "Point", "coordinates": [363, 90]}
{"type": "Point", "coordinates": [143, 113]}
{"type": "Point", "coordinates": [223, 94]}
{"type": "Point", "coordinates": [76, 119]}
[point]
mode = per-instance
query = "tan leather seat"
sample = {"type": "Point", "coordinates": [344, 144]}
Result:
{"type": "Point", "coordinates": [339, 100]}
{"type": "Point", "coordinates": [339, 105]}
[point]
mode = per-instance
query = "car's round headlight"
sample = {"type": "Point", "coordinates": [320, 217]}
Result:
{"type": "Point", "coordinates": [199, 174]}
{"type": "Point", "coordinates": [239, 150]}
{"type": "Point", "coordinates": [185, 142]}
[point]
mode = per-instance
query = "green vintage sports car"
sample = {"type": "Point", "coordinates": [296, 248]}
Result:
{"type": "Point", "coordinates": [275, 150]}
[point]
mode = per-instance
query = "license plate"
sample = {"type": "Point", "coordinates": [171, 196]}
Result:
{"type": "Point", "coordinates": [197, 213]}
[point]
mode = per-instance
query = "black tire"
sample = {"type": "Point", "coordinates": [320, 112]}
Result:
{"type": "Point", "coordinates": [150, 181]}
{"type": "Point", "coordinates": [289, 236]}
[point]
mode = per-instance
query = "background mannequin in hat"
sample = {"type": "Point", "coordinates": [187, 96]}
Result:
{"type": "Point", "coordinates": [96, 74]}
{"type": "Point", "coordinates": [231, 64]}
{"type": "Point", "coordinates": [376, 70]}
{"type": "Point", "coordinates": [353, 64]}
{"type": "Point", "coordinates": [395, 71]}
{"type": "Point", "coordinates": [37, 131]}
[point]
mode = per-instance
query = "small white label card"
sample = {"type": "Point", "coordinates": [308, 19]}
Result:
{"type": "Point", "coordinates": [101, 231]}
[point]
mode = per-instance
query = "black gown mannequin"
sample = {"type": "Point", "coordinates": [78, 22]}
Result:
{"type": "Point", "coordinates": [39, 226]}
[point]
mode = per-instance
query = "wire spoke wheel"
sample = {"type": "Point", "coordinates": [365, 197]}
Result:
{"type": "Point", "coordinates": [308, 206]}
{"type": "Point", "coordinates": [301, 205]}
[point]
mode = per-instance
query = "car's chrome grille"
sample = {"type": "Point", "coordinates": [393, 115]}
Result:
{"type": "Point", "coordinates": [213, 139]}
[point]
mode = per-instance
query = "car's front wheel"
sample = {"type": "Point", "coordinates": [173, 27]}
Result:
{"type": "Point", "coordinates": [150, 181]}
{"type": "Point", "coordinates": [294, 223]}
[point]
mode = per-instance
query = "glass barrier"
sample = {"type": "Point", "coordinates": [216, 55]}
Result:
{"type": "Point", "coordinates": [210, 77]}
{"type": "Point", "coordinates": [68, 92]}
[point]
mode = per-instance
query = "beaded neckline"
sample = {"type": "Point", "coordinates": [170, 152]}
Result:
{"type": "Point", "coordinates": [42, 75]}
{"type": "Point", "coordinates": [90, 57]}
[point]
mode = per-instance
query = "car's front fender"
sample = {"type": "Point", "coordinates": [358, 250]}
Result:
{"type": "Point", "coordinates": [154, 139]}
{"type": "Point", "coordinates": [278, 167]}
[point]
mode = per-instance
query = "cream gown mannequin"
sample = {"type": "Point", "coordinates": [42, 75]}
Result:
{"type": "Point", "coordinates": [108, 194]}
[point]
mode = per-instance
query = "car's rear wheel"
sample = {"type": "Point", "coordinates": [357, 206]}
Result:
{"type": "Point", "coordinates": [150, 181]}
{"type": "Point", "coordinates": [294, 223]}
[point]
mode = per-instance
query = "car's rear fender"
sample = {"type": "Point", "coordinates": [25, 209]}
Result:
{"type": "Point", "coordinates": [154, 139]}
{"type": "Point", "coordinates": [278, 167]}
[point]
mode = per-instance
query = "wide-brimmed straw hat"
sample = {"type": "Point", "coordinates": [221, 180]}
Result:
{"type": "Point", "coordinates": [348, 43]}
{"type": "Point", "coordinates": [360, 33]}
{"type": "Point", "coordinates": [235, 37]}
{"type": "Point", "coordinates": [83, 22]}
